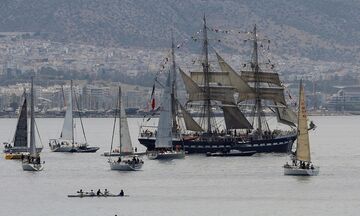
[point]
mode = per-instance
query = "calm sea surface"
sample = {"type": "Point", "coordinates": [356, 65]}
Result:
{"type": "Point", "coordinates": [195, 186]}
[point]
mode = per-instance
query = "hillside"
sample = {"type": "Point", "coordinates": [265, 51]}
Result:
{"type": "Point", "coordinates": [326, 30]}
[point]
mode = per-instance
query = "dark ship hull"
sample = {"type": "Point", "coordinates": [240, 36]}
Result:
{"type": "Point", "coordinates": [281, 144]}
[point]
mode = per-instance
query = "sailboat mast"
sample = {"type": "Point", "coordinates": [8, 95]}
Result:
{"type": "Point", "coordinates": [206, 79]}
{"type": "Point", "coordinates": [173, 86]}
{"type": "Point", "coordinates": [72, 117]}
{"type": "Point", "coordinates": [119, 104]}
{"type": "Point", "coordinates": [255, 68]}
{"type": "Point", "coordinates": [32, 121]}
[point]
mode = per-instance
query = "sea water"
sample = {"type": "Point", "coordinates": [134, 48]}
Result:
{"type": "Point", "coordinates": [197, 185]}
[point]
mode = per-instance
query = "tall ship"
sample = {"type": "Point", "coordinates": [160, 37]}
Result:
{"type": "Point", "coordinates": [254, 91]}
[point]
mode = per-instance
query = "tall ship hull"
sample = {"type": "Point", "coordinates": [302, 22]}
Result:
{"type": "Point", "coordinates": [278, 145]}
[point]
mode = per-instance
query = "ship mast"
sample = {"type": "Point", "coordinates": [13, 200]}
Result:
{"type": "Point", "coordinates": [255, 69]}
{"type": "Point", "coordinates": [206, 79]}
{"type": "Point", "coordinates": [120, 119]}
{"type": "Point", "coordinates": [173, 86]}
{"type": "Point", "coordinates": [72, 117]}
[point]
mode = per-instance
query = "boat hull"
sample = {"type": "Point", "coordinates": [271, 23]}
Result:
{"type": "Point", "coordinates": [86, 150]}
{"type": "Point", "coordinates": [15, 156]}
{"type": "Point", "coordinates": [296, 171]}
{"type": "Point", "coordinates": [123, 166]}
{"type": "Point", "coordinates": [21, 150]}
{"type": "Point", "coordinates": [154, 155]}
{"type": "Point", "coordinates": [32, 167]}
{"type": "Point", "coordinates": [88, 195]}
{"type": "Point", "coordinates": [75, 149]}
{"type": "Point", "coordinates": [281, 145]}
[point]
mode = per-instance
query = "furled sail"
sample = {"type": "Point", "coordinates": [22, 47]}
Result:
{"type": "Point", "coordinates": [234, 119]}
{"type": "Point", "coordinates": [303, 145]}
{"type": "Point", "coordinates": [125, 146]}
{"type": "Point", "coordinates": [21, 136]}
{"type": "Point", "coordinates": [164, 135]}
{"type": "Point", "coordinates": [285, 115]}
{"type": "Point", "coordinates": [67, 130]}
{"type": "Point", "coordinates": [190, 123]}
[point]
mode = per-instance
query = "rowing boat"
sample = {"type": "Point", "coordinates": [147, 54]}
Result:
{"type": "Point", "coordinates": [90, 195]}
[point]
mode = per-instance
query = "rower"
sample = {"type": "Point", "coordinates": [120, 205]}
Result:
{"type": "Point", "coordinates": [98, 193]}
{"type": "Point", "coordinates": [106, 192]}
{"type": "Point", "coordinates": [121, 193]}
{"type": "Point", "coordinates": [92, 193]}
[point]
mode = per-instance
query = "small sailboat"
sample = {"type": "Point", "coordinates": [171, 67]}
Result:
{"type": "Point", "coordinates": [66, 142]}
{"type": "Point", "coordinates": [127, 160]}
{"type": "Point", "coordinates": [164, 149]}
{"type": "Point", "coordinates": [19, 145]}
{"type": "Point", "coordinates": [301, 160]}
{"type": "Point", "coordinates": [32, 161]}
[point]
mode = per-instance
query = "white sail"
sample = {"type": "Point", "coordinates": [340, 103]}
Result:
{"type": "Point", "coordinates": [303, 145]}
{"type": "Point", "coordinates": [67, 130]}
{"type": "Point", "coordinates": [125, 141]}
{"type": "Point", "coordinates": [164, 136]}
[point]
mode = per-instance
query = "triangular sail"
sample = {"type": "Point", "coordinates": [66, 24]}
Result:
{"type": "Point", "coordinates": [21, 136]}
{"type": "Point", "coordinates": [190, 123]}
{"type": "Point", "coordinates": [236, 81]}
{"type": "Point", "coordinates": [125, 140]}
{"type": "Point", "coordinates": [234, 119]}
{"type": "Point", "coordinates": [285, 115]}
{"type": "Point", "coordinates": [164, 135]}
{"type": "Point", "coordinates": [67, 130]}
{"type": "Point", "coordinates": [303, 145]}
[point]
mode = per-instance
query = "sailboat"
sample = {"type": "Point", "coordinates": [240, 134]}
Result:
{"type": "Point", "coordinates": [32, 161]}
{"type": "Point", "coordinates": [211, 89]}
{"type": "Point", "coordinates": [20, 141]}
{"type": "Point", "coordinates": [165, 135]}
{"type": "Point", "coordinates": [66, 142]}
{"type": "Point", "coordinates": [127, 160]}
{"type": "Point", "coordinates": [301, 161]}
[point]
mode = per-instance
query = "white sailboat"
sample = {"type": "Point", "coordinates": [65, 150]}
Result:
{"type": "Point", "coordinates": [127, 160]}
{"type": "Point", "coordinates": [301, 161]}
{"type": "Point", "coordinates": [164, 136]}
{"type": "Point", "coordinates": [66, 142]}
{"type": "Point", "coordinates": [32, 162]}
